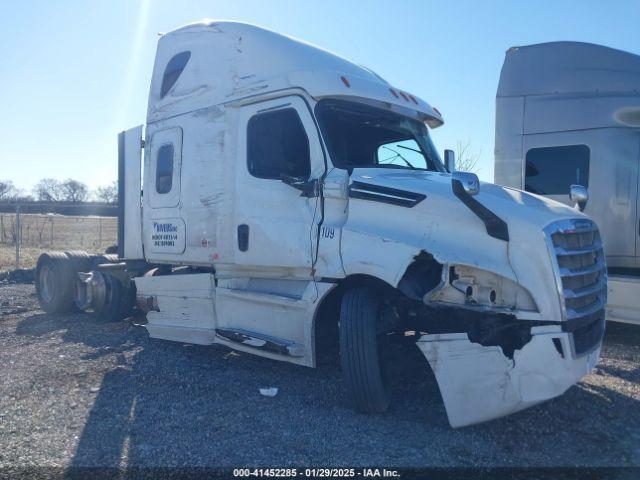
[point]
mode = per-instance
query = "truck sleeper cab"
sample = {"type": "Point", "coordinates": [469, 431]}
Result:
{"type": "Point", "coordinates": [557, 126]}
{"type": "Point", "coordinates": [288, 192]}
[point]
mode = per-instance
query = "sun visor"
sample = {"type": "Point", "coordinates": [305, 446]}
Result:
{"type": "Point", "coordinates": [364, 90]}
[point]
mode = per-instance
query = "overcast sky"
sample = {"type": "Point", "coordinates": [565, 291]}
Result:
{"type": "Point", "coordinates": [74, 73]}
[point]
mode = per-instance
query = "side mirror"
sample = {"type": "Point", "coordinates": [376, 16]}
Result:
{"type": "Point", "coordinates": [309, 188]}
{"type": "Point", "coordinates": [450, 160]}
{"type": "Point", "coordinates": [579, 195]}
{"type": "Point", "coordinates": [469, 182]}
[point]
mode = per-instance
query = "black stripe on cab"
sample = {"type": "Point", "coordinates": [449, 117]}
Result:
{"type": "Point", "coordinates": [377, 193]}
{"type": "Point", "coordinates": [495, 226]}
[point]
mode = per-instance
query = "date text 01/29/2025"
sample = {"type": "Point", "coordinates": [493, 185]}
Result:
{"type": "Point", "coordinates": [316, 472]}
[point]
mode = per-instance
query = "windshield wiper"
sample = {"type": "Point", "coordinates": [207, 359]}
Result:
{"type": "Point", "coordinates": [409, 148]}
{"type": "Point", "coordinates": [401, 157]}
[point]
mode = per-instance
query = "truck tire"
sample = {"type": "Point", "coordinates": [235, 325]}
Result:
{"type": "Point", "coordinates": [55, 282]}
{"type": "Point", "coordinates": [363, 368]}
{"type": "Point", "coordinates": [128, 302]}
{"type": "Point", "coordinates": [80, 260]}
{"type": "Point", "coordinates": [119, 300]}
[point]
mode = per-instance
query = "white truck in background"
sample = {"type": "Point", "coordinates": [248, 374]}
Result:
{"type": "Point", "coordinates": [287, 192]}
{"type": "Point", "coordinates": [568, 120]}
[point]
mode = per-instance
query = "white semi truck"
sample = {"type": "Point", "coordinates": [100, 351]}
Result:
{"type": "Point", "coordinates": [287, 192]}
{"type": "Point", "coordinates": [568, 118]}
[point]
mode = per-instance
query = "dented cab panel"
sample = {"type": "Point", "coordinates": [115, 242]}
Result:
{"type": "Point", "coordinates": [183, 219]}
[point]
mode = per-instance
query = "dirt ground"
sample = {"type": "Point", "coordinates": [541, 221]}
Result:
{"type": "Point", "coordinates": [78, 392]}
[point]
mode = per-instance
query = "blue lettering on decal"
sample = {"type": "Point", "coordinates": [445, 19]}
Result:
{"type": "Point", "coordinates": [164, 227]}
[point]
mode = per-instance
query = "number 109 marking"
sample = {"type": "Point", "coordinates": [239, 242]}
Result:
{"type": "Point", "coordinates": [327, 232]}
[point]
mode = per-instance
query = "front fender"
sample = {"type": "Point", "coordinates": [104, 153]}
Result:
{"type": "Point", "coordinates": [386, 250]}
{"type": "Point", "coordinates": [383, 240]}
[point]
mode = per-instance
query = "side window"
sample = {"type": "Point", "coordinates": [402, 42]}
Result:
{"type": "Point", "coordinates": [174, 68]}
{"type": "Point", "coordinates": [164, 168]}
{"type": "Point", "coordinates": [277, 145]}
{"type": "Point", "coordinates": [552, 170]}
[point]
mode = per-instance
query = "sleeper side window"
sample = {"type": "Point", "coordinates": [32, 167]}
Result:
{"type": "Point", "coordinates": [174, 68]}
{"type": "Point", "coordinates": [277, 145]}
{"type": "Point", "coordinates": [552, 170]}
{"type": "Point", "coordinates": [164, 168]}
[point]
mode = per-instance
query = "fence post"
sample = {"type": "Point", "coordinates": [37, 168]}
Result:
{"type": "Point", "coordinates": [18, 235]}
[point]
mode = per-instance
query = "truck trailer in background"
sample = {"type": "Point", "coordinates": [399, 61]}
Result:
{"type": "Point", "coordinates": [568, 114]}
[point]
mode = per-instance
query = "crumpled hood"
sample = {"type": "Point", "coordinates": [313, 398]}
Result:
{"type": "Point", "coordinates": [442, 225]}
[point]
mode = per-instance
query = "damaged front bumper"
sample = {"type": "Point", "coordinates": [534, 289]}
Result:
{"type": "Point", "coordinates": [480, 383]}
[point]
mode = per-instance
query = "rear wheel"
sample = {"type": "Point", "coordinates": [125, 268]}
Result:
{"type": "Point", "coordinates": [55, 282]}
{"type": "Point", "coordinates": [362, 351]}
{"type": "Point", "coordinates": [119, 299]}
{"type": "Point", "coordinates": [80, 260]}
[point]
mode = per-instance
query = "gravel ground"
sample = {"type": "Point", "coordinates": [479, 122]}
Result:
{"type": "Point", "coordinates": [77, 392]}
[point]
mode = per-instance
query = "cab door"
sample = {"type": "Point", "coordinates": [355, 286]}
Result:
{"type": "Point", "coordinates": [605, 160]}
{"type": "Point", "coordinates": [276, 224]}
{"type": "Point", "coordinates": [164, 227]}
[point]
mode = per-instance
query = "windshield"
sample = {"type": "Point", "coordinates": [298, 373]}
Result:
{"type": "Point", "coordinates": [361, 136]}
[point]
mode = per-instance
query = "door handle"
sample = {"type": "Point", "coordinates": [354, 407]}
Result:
{"type": "Point", "coordinates": [243, 237]}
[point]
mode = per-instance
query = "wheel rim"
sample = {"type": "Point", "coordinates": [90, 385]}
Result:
{"type": "Point", "coordinates": [110, 293]}
{"type": "Point", "coordinates": [47, 284]}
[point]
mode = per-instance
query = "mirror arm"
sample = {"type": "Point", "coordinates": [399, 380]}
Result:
{"type": "Point", "coordinates": [308, 188]}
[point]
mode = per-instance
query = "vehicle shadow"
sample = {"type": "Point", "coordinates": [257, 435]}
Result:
{"type": "Point", "coordinates": [177, 405]}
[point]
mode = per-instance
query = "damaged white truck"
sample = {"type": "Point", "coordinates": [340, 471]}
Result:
{"type": "Point", "coordinates": [286, 191]}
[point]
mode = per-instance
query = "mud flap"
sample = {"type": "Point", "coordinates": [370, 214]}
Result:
{"type": "Point", "coordinates": [480, 383]}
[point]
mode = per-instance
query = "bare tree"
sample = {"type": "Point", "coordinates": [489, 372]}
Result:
{"type": "Point", "coordinates": [7, 189]}
{"type": "Point", "coordinates": [48, 190]}
{"type": "Point", "coordinates": [22, 197]}
{"type": "Point", "coordinates": [108, 193]}
{"type": "Point", "coordinates": [466, 160]}
{"type": "Point", "coordinates": [74, 191]}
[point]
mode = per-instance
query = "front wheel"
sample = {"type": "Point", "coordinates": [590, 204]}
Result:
{"type": "Point", "coordinates": [361, 351]}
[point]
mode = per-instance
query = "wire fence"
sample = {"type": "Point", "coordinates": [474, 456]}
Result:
{"type": "Point", "coordinates": [24, 236]}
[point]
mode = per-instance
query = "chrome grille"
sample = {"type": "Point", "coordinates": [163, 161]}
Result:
{"type": "Point", "coordinates": [582, 278]}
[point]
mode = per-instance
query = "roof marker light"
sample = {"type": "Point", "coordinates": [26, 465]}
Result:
{"type": "Point", "coordinates": [345, 81]}
{"type": "Point", "coordinates": [404, 96]}
{"type": "Point", "coordinates": [413, 99]}
{"type": "Point", "coordinates": [436, 110]}
{"type": "Point", "coordinates": [393, 92]}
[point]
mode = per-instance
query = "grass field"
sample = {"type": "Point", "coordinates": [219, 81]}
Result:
{"type": "Point", "coordinates": [40, 233]}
